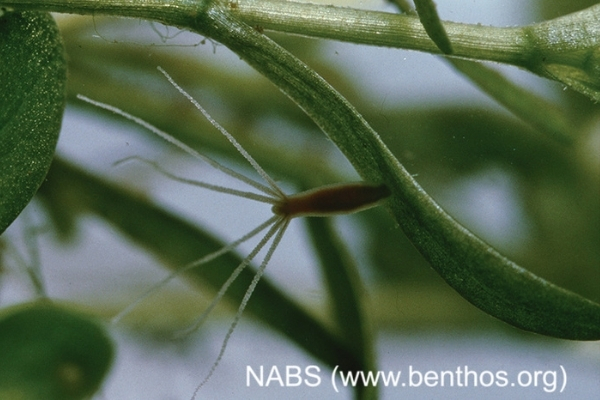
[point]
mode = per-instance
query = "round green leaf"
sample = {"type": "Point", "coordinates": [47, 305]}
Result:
{"type": "Point", "coordinates": [32, 100]}
{"type": "Point", "coordinates": [49, 352]}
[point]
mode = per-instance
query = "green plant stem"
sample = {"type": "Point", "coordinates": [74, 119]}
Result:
{"type": "Point", "coordinates": [380, 29]}
{"type": "Point", "coordinates": [346, 293]}
{"type": "Point", "coordinates": [507, 45]}
{"type": "Point", "coordinates": [563, 49]}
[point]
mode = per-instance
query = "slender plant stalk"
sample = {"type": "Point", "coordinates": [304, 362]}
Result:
{"type": "Point", "coordinates": [508, 45]}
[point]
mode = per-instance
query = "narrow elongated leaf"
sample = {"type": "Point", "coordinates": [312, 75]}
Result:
{"type": "Point", "coordinates": [474, 269]}
{"type": "Point", "coordinates": [52, 353]}
{"type": "Point", "coordinates": [346, 294]}
{"type": "Point", "coordinates": [32, 100]}
{"type": "Point", "coordinates": [433, 25]}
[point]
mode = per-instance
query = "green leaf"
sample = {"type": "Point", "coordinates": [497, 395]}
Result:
{"type": "Point", "coordinates": [473, 268]}
{"type": "Point", "coordinates": [433, 25]}
{"type": "Point", "coordinates": [32, 101]}
{"type": "Point", "coordinates": [50, 352]}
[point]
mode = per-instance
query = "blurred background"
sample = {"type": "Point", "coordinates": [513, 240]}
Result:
{"type": "Point", "coordinates": [535, 200]}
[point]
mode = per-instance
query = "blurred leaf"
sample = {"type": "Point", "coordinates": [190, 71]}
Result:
{"type": "Point", "coordinates": [32, 100]}
{"type": "Point", "coordinates": [549, 9]}
{"type": "Point", "coordinates": [534, 110]}
{"type": "Point", "coordinates": [346, 293]}
{"type": "Point", "coordinates": [92, 71]}
{"type": "Point", "coordinates": [51, 353]}
{"type": "Point", "coordinates": [178, 243]}
{"type": "Point", "coordinates": [526, 105]}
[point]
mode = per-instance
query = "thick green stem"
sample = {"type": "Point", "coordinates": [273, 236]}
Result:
{"type": "Point", "coordinates": [564, 49]}
{"type": "Point", "coordinates": [380, 29]}
{"type": "Point", "coordinates": [506, 45]}
{"type": "Point", "coordinates": [171, 12]}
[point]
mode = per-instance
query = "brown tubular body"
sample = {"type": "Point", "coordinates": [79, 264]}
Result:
{"type": "Point", "coordinates": [331, 200]}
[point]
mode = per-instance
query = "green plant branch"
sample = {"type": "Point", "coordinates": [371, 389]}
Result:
{"type": "Point", "coordinates": [518, 46]}
{"type": "Point", "coordinates": [177, 12]}
{"type": "Point", "coordinates": [566, 49]}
